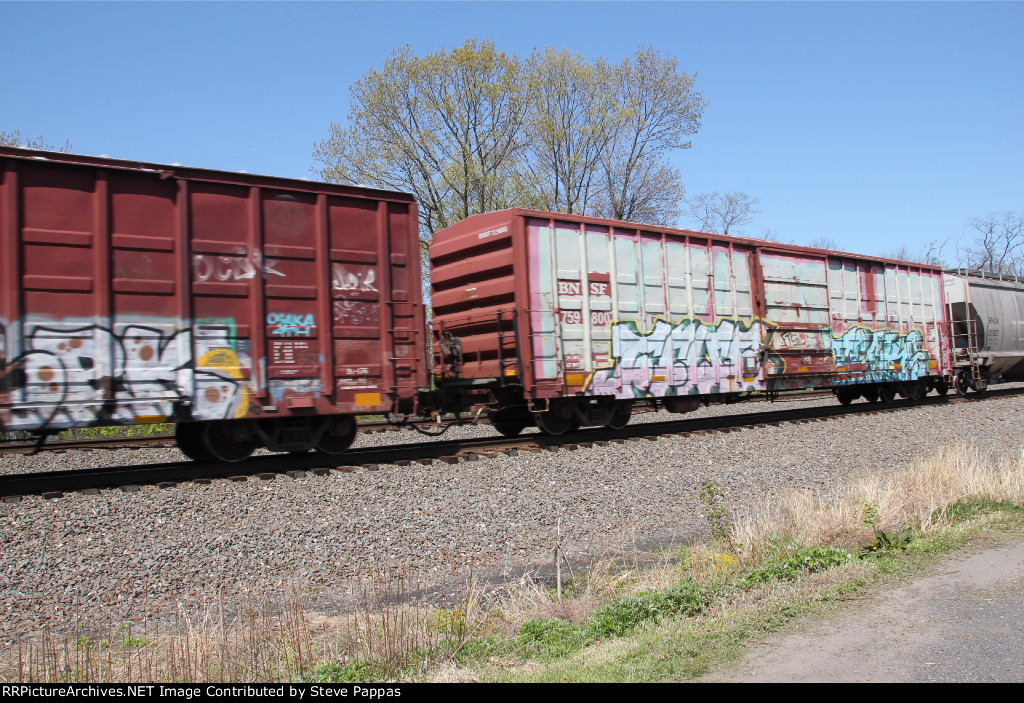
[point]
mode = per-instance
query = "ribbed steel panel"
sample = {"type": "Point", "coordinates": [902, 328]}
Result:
{"type": "Point", "coordinates": [136, 292]}
{"type": "Point", "coordinates": [570, 305]}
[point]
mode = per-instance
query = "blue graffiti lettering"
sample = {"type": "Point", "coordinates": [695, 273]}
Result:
{"type": "Point", "coordinates": [289, 324]}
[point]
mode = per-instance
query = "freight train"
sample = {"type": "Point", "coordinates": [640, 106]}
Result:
{"type": "Point", "coordinates": [265, 312]}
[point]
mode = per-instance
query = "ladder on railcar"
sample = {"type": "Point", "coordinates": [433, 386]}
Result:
{"type": "Point", "coordinates": [509, 357]}
{"type": "Point", "coordinates": [964, 336]}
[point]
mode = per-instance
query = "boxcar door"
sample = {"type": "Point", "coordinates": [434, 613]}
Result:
{"type": "Point", "coordinates": [798, 340]}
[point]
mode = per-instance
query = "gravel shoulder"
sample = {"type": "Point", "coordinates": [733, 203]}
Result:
{"type": "Point", "coordinates": [963, 621]}
{"type": "Point", "coordinates": [117, 556]}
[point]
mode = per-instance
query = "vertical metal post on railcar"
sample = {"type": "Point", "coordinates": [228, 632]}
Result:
{"type": "Point", "coordinates": [103, 308]}
{"type": "Point", "coordinates": [389, 376]}
{"type": "Point", "coordinates": [328, 386]}
{"type": "Point", "coordinates": [257, 299]}
{"type": "Point", "coordinates": [185, 302]}
{"type": "Point", "coordinates": [10, 269]}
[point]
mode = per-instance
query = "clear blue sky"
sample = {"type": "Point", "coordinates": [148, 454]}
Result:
{"type": "Point", "coordinates": [871, 123]}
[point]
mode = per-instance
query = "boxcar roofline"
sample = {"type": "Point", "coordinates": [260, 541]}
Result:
{"type": "Point", "coordinates": [752, 241]}
{"type": "Point", "coordinates": [205, 174]}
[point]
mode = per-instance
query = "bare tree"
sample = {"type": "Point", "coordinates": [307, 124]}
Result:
{"type": "Point", "coordinates": [823, 241]}
{"type": "Point", "coordinates": [772, 234]}
{"type": "Point", "coordinates": [654, 196]}
{"type": "Point", "coordinates": [998, 244]}
{"type": "Point", "coordinates": [931, 254]}
{"type": "Point", "coordinates": [721, 212]}
{"type": "Point", "coordinates": [15, 139]}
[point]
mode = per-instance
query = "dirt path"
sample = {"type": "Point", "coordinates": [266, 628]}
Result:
{"type": "Point", "coordinates": [961, 621]}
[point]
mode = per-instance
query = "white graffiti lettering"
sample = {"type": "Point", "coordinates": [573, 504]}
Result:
{"type": "Point", "coordinates": [356, 313]}
{"type": "Point", "coordinates": [77, 375]}
{"type": "Point", "coordinates": [242, 267]}
{"type": "Point", "coordinates": [353, 278]}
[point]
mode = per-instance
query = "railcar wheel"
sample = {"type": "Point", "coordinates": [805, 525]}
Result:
{"type": "Point", "coordinates": [510, 421]}
{"type": "Point", "coordinates": [870, 393]}
{"type": "Point", "coordinates": [554, 426]}
{"type": "Point", "coordinates": [941, 388]}
{"type": "Point", "coordinates": [981, 385]}
{"type": "Point", "coordinates": [846, 394]}
{"type": "Point", "coordinates": [224, 442]}
{"type": "Point", "coordinates": [338, 435]}
{"type": "Point", "coordinates": [886, 392]}
{"type": "Point", "coordinates": [509, 429]}
{"type": "Point", "coordinates": [620, 416]}
{"type": "Point", "coordinates": [187, 435]}
{"type": "Point", "coordinates": [961, 382]}
{"type": "Point", "coordinates": [912, 390]}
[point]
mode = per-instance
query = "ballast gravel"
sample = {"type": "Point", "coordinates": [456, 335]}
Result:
{"type": "Point", "coordinates": [116, 556]}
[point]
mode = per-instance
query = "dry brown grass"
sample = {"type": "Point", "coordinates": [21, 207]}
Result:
{"type": "Point", "coordinates": [262, 642]}
{"type": "Point", "coordinates": [274, 639]}
{"type": "Point", "coordinates": [913, 497]}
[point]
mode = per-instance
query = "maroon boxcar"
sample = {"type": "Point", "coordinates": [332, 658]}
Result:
{"type": "Point", "coordinates": [563, 320]}
{"type": "Point", "coordinates": [255, 311]}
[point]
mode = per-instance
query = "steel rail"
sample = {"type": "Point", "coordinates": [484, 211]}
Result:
{"type": "Point", "coordinates": [55, 483]}
{"type": "Point", "coordinates": [168, 440]}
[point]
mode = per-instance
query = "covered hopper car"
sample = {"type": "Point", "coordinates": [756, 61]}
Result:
{"type": "Point", "coordinates": [987, 331]}
{"type": "Point", "coordinates": [252, 311]}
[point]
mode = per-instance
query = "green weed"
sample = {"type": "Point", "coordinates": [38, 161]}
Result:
{"type": "Point", "coordinates": [548, 638]}
{"type": "Point", "coordinates": [784, 566]}
{"type": "Point", "coordinates": [625, 613]}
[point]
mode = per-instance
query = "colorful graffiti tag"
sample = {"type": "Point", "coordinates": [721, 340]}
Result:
{"type": "Point", "coordinates": [880, 355]}
{"type": "Point", "coordinates": [289, 324]}
{"type": "Point", "coordinates": [693, 357]}
{"type": "Point", "coordinates": [682, 358]}
{"type": "Point", "coordinates": [74, 375]}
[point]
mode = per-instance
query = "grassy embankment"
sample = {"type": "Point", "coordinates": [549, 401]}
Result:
{"type": "Point", "coordinates": [677, 617]}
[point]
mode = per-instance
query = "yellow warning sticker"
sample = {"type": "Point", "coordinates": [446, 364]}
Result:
{"type": "Point", "coordinates": [367, 399]}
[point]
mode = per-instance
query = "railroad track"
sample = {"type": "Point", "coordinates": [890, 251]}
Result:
{"type": "Point", "coordinates": [54, 484]}
{"type": "Point", "coordinates": [158, 441]}
{"type": "Point", "coordinates": [143, 442]}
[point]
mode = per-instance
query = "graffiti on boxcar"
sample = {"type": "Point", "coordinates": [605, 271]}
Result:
{"type": "Point", "coordinates": [290, 324]}
{"type": "Point", "coordinates": [220, 386]}
{"type": "Point", "coordinates": [241, 267]}
{"type": "Point", "coordinates": [354, 278]}
{"type": "Point", "coordinates": [880, 354]}
{"type": "Point", "coordinates": [356, 313]}
{"type": "Point", "coordinates": [277, 387]}
{"type": "Point", "coordinates": [682, 358]}
{"type": "Point", "coordinates": [74, 375]}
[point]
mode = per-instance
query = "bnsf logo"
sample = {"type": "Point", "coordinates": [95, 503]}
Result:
{"type": "Point", "coordinates": [576, 288]}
